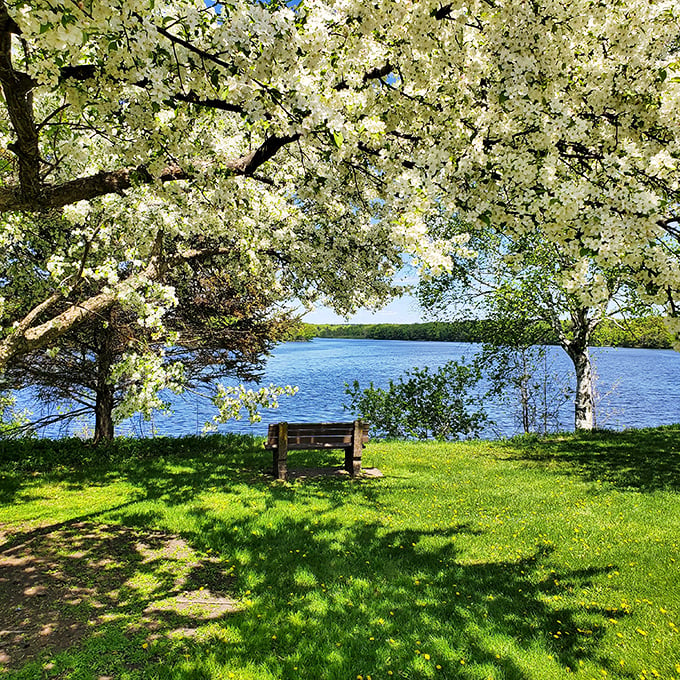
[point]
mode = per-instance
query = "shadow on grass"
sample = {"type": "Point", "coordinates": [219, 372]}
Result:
{"type": "Point", "coordinates": [198, 462]}
{"type": "Point", "coordinates": [80, 580]}
{"type": "Point", "coordinates": [639, 460]}
{"type": "Point", "coordinates": [367, 600]}
{"type": "Point", "coordinates": [339, 599]}
{"type": "Point", "coordinates": [310, 581]}
{"type": "Point", "coordinates": [319, 609]}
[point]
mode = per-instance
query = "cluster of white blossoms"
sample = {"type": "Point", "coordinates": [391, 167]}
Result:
{"type": "Point", "coordinates": [233, 401]}
{"type": "Point", "coordinates": [318, 143]}
{"type": "Point", "coordinates": [145, 377]}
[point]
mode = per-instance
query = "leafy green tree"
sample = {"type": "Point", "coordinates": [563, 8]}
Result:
{"type": "Point", "coordinates": [553, 296]}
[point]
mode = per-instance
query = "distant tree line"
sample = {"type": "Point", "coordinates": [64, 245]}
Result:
{"type": "Point", "coordinates": [650, 332]}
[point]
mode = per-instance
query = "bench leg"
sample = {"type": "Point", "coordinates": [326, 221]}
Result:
{"type": "Point", "coordinates": [353, 453]}
{"type": "Point", "coordinates": [280, 470]}
{"type": "Point", "coordinates": [281, 453]}
{"type": "Point", "coordinates": [352, 461]}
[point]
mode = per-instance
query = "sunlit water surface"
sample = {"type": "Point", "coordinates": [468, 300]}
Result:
{"type": "Point", "coordinates": [637, 387]}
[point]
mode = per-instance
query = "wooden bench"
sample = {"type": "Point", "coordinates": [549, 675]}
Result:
{"type": "Point", "coordinates": [284, 437]}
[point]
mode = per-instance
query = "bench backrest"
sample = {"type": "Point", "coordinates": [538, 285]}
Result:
{"type": "Point", "coordinates": [317, 435]}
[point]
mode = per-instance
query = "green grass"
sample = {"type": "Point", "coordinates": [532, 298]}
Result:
{"type": "Point", "coordinates": [532, 558]}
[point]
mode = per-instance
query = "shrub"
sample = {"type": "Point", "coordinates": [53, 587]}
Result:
{"type": "Point", "coordinates": [423, 403]}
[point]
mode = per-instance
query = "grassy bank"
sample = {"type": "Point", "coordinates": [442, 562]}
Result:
{"type": "Point", "coordinates": [554, 558]}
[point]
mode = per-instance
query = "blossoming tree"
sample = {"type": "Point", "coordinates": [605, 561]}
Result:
{"type": "Point", "coordinates": [313, 142]}
{"type": "Point", "coordinates": [138, 136]}
{"type": "Point", "coordinates": [215, 331]}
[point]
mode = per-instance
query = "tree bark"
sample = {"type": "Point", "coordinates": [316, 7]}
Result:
{"type": "Point", "coordinates": [103, 409]}
{"type": "Point", "coordinates": [584, 402]}
{"type": "Point", "coordinates": [577, 349]}
{"type": "Point", "coordinates": [103, 413]}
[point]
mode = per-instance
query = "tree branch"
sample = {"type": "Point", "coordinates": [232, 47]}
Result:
{"type": "Point", "coordinates": [83, 72]}
{"type": "Point", "coordinates": [23, 339]}
{"type": "Point", "coordinates": [117, 181]}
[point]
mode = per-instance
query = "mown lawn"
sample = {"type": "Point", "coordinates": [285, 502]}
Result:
{"type": "Point", "coordinates": [555, 558]}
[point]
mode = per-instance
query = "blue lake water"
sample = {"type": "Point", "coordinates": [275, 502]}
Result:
{"type": "Point", "coordinates": [638, 388]}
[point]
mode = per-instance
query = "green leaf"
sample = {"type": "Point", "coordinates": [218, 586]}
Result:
{"type": "Point", "coordinates": [338, 139]}
{"type": "Point", "coordinates": [68, 18]}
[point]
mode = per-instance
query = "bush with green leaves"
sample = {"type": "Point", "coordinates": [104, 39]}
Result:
{"type": "Point", "coordinates": [423, 403]}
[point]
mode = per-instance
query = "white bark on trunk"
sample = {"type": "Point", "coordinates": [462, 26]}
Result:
{"type": "Point", "coordinates": [584, 402]}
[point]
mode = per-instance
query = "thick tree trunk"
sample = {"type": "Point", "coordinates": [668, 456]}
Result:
{"type": "Point", "coordinates": [103, 410]}
{"type": "Point", "coordinates": [103, 413]}
{"type": "Point", "coordinates": [584, 402]}
{"type": "Point", "coordinates": [576, 347]}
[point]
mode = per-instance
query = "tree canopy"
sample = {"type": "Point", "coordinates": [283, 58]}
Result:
{"type": "Point", "coordinates": [313, 145]}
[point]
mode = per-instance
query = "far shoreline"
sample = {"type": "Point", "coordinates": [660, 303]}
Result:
{"type": "Point", "coordinates": [640, 333]}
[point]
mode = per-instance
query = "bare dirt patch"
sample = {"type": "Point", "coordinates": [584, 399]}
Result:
{"type": "Point", "coordinates": [60, 584]}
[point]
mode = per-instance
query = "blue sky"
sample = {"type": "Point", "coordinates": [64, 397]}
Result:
{"type": "Point", "coordinates": [402, 310]}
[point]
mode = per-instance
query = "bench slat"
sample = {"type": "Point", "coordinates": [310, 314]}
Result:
{"type": "Point", "coordinates": [323, 435]}
{"type": "Point", "coordinates": [306, 431]}
{"type": "Point", "coordinates": [310, 441]}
